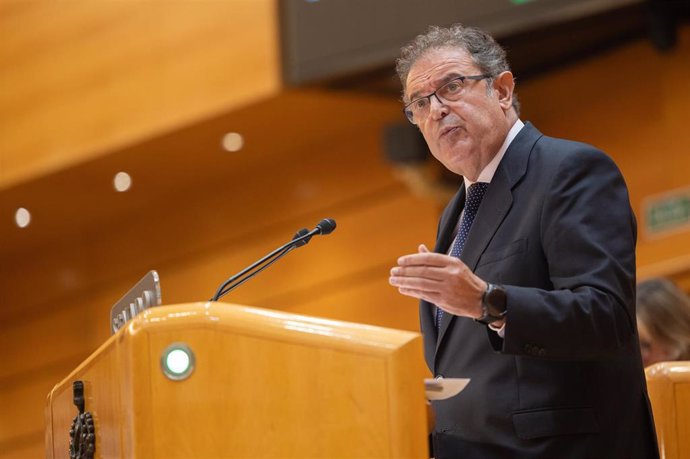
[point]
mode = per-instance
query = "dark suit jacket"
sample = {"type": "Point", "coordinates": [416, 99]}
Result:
{"type": "Point", "coordinates": [556, 229]}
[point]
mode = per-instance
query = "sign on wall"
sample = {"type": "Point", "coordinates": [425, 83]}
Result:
{"type": "Point", "coordinates": [667, 213]}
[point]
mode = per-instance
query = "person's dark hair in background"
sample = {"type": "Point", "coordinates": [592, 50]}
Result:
{"type": "Point", "coordinates": [663, 321]}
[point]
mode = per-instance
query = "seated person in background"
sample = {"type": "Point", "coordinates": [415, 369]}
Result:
{"type": "Point", "coordinates": [663, 321]}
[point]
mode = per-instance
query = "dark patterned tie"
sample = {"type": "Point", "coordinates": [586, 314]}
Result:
{"type": "Point", "coordinates": [475, 193]}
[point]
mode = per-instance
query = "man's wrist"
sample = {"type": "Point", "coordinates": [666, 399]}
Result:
{"type": "Point", "coordinates": [479, 311]}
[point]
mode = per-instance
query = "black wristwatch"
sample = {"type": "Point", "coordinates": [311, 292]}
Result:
{"type": "Point", "coordinates": [493, 304]}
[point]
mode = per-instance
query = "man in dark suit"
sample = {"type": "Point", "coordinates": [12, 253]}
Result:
{"type": "Point", "coordinates": [530, 288]}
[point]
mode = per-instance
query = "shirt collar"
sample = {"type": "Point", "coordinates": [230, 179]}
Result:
{"type": "Point", "coordinates": [488, 172]}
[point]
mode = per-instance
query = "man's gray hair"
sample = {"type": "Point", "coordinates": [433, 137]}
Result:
{"type": "Point", "coordinates": [488, 55]}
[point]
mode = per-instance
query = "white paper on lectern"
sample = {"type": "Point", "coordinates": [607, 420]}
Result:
{"type": "Point", "coordinates": [443, 388]}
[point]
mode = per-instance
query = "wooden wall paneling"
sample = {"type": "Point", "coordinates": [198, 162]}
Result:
{"type": "Point", "coordinates": [82, 78]}
{"type": "Point", "coordinates": [342, 276]}
{"type": "Point", "coordinates": [66, 331]}
{"type": "Point", "coordinates": [676, 268]}
{"type": "Point", "coordinates": [66, 253]}
{"type": "Point", "coordinates": [69, 323]}
{"type": "Point", "coordinates": [368, 300]}
{"type": "Point", "coordinates": [22, 422]}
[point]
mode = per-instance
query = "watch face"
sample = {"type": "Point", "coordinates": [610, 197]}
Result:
{"type": "Point", "coordinates": [496, 300]}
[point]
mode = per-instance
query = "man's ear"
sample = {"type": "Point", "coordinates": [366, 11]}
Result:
{"type": "Point", "coordinates": [504, 84]}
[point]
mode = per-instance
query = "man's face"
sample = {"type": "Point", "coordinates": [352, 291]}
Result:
{"type": "Point", "coordinates": [466, 134]}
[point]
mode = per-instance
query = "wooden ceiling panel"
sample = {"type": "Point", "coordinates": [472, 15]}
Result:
{"type": "Point", "coordinates": [80, 79]}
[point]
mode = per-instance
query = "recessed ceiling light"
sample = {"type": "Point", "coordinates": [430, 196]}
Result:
{"type": "Point", "coordinates": [22, 217]}
{"type": "Point", "coordinates": [232, 141]}
{"type": "Point", "coordinates": [122, 181]}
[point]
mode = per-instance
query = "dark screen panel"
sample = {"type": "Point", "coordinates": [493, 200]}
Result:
{"type": "Point", "coordinates": [324, 39]}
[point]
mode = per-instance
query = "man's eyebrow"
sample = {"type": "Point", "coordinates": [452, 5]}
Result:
{"type": "Point", "coordinates": [446, 78]}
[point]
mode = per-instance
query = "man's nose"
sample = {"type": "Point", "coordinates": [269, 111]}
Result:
{"type": "Point", "coordinates": [437, 107]}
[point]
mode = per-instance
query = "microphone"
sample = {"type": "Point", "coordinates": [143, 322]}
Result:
{"type": "Point", "coordinates": [326, 226]}
{"type": "Point", "coordinates": [301, 238]}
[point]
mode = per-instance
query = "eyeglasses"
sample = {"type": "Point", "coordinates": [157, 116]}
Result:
{"type": "Point", "coordinates": [452, 91]}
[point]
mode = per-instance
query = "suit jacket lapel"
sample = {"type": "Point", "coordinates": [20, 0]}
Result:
{"type": "Point", "coordinates": [493, 209]}
{"type": "Point", "coordinates": [449, 221]}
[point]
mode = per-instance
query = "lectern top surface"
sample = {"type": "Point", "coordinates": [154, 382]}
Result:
{"type": "Point", "coordinates": [272, 323]}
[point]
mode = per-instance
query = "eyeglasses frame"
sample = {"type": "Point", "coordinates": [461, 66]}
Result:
{"type": "Point", "coordinates": [408, 113]}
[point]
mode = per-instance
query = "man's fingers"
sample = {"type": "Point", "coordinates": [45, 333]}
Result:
{"type": "Point", "coordinates": [426, 272]}
{"type": "Point", "coordinates": [416, 283]}
{"type": "Point", "coordinates": [425, 258]}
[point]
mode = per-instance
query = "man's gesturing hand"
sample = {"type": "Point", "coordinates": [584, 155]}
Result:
{"type": "Point", "coordinates": [440, 279]}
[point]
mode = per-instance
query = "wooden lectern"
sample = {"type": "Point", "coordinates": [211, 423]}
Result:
{"type": "Point", "coordinates": [249, 382]}
{"type": "Point", "coordinates": [668, 384]}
